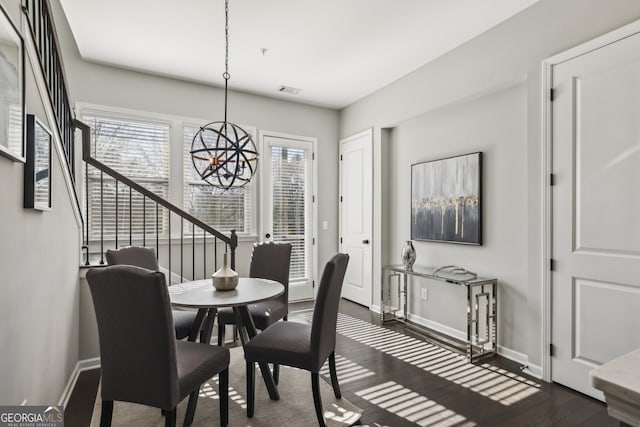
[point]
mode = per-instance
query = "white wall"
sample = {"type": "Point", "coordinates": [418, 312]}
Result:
{"type": "Point", "coordinates": [508, 53]}
{"type": "Point", "coordinates": [39, 277]}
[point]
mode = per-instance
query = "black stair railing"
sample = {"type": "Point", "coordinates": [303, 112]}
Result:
{"type": "Point", "coordinates": [43, 33]}
{"type": "Point", "coordinates": [148, 201]}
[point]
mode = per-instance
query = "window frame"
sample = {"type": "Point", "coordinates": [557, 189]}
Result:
{"type": "Point", "coordinates": [176, 154]}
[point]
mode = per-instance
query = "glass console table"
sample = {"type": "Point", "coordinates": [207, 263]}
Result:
{"type": "Point", "coordinates": [482, 307]}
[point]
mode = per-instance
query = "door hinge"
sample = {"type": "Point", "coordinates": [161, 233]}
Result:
{"type": "Point", "coordinates": [340, 157]}
{"type": "Point", "coordinates": [313, 241]}
{"type": "Point", "coordinates": [552, 264]}
{"type": "Point", "coordinates": [313, 156]}
{"type": "Point", "coordinates": [552, 350]}
{"type": "Point", "coordinates": [313, 284]}
{"type": "Point", "coordinates": [552, 94]}
{"type": "Point", "coordinates": [341, 240]}
{"type": "Point", "coordinates": [313, 198]}
{"type": "Point", "coordinates": [552, 179]}
{"type": "Point", "coordinates": [341, 198]}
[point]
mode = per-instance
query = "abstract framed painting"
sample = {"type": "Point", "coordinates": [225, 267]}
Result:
{"type": "Point", "coordinates": [446, 200]}
{"type": "Point", "coordinates": [12, 109]}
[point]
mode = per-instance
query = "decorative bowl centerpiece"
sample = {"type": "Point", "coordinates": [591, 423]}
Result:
{"type": "Point", "coordinates": [224, 279]}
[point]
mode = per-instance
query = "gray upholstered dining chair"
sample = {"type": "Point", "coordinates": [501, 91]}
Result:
{"type": "Point", "coordinates": [301, 345]}
{"type": "Point", "coordinates": [140, 359]}
{"type": "Point", "coordinates": [140, 256]}
{"type": "Point", "coordinates": [268, 261]}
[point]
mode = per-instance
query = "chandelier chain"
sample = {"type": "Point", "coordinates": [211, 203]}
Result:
{"type": "Point", "coordinates": [226, 40]}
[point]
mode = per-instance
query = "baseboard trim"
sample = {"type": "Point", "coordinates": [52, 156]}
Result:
{"type": "Point", "coordinates": [507, 353]}
{"type": "Point", "coordinates": [82, 365]}
{"type": "Point", "coordinates": [438, 327]}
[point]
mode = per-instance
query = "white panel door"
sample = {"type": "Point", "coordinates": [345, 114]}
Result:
{"type": "Point", "coordinates": [287, 214]}
{"type": "Point", "coordinates": [356, 212]}
{"type": "Point", "coordinates": [596, 211]}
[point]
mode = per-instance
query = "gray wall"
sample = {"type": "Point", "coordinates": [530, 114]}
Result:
{"type": "Point", "coordinates": [99, 84]}
{"type": "Point", "coordinates": [39, 270]}
{"type": "Point", "coordinates": [104, 85]}
{"type": "Point", "coordinates": [475, 74]}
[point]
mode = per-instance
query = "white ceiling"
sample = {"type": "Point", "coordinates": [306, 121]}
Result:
{"type": "Point", "coordinates": [335, 51]}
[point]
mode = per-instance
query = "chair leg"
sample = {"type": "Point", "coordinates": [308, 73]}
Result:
{"type": "Point", "coordinates": [170, 418]}
{"type": "Point", "coordinates": [334, 375]}
{"type": "Point", "coordinates": [276, 373]}
{"type": "Point", "coordinates": [251, 388]}
{"type": "Point", "coordinates": [224, 397]}
{"type": "Point", "coordinates": [315, 387]}
{"type": "Point", "coordinates": [220, 335]}
{"type": "Point", "coordinates": [107, 413]}
{"type": "Point", "coordinates": [191, 407]}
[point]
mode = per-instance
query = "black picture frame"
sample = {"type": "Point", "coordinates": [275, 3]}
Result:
{"type": "Point", "coordinates": [12, 91]}
{"type": "Point", "coordinates": [37, 168]}
{"type": "Point", "coordinates": [446, 200]}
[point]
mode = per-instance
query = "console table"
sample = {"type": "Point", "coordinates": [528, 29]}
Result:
{"type": "Point", "coordinates": [482, 294]}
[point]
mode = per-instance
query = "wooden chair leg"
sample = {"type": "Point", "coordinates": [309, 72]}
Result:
{"type": "Point", "coordinates": [315, 387]}
{"type": "Point", "coordinates": [191, 407]}
{"type": "Point", "coordinates": [251, 388]}
{"type": "Point", "coordinates": [276, 373]}
{"type": "Point", "coordinates": [334, 375]}
{"type": "Point", "coordinates": [220, 335]}
{"type": "Point", "coordinates": [107, 413]}
{"type": "Point", "coordinates": [170, 419]}
{"type": "Point", "coordinates": [224, 397]}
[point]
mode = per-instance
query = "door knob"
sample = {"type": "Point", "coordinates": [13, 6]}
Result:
{"type": "Point", "coordinates": [267, 235]}
{"type": "Point", "coordinates": [365, 242]}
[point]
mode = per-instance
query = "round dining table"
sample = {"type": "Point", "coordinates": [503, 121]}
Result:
{"type": "Point", "coordinates": [201, 295]}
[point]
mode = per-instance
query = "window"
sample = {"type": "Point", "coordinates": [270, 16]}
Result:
{"type": "Point", "coordinates": [222, 210]}
{"type": "Point", "coordinates": [139, 150]}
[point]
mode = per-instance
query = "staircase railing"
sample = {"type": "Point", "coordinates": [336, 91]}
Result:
{"type": "Point", "coordinates": [156, 203]}
{"type": "Point", "coordinates": [43, 34]}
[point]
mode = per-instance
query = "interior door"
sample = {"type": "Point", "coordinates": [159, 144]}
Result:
{"type": "Point", "coordinates": [596, 207]}
{"type": "Point", "coordinates": [356, 212]}
{"type": "Point", "coordinates": [287, 214]}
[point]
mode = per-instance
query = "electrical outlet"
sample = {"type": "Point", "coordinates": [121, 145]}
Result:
{"type": "Point", "coordinates": [425, 294]}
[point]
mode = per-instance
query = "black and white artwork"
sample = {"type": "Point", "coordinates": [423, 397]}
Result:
{"type": "Point", "coordinates": [37, 169]}
{"type": "Point", "coordinates": [446, 200]}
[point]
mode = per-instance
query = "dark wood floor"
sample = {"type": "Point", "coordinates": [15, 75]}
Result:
{"type": "Point", "coordinates": [396, 388]}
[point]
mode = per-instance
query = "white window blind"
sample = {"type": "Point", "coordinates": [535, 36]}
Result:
{"type": "Point", "coordinates": [288, 171]}
{"type": "Point", "coordinates": [223, 210]}
{"type": "Point", "coordinates": [140, 151]}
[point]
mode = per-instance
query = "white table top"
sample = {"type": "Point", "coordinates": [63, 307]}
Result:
{"type": "Point", "coordinates": [620, 377]}
{"type": "Point", "coordinates": [201, 293]}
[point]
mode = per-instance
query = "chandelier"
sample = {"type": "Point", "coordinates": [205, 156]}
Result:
{"type": "Point", "coordinates": [224, 154]}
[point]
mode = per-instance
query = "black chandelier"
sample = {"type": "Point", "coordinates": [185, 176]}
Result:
{"type": "Point", "coordinates": [224, 154]}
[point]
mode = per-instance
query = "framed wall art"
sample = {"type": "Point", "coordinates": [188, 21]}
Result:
{"type": "Point", "coordinates": [446, 200]}
{"type": "Point", "coordinates": [37, 168]}
{"type": "Point", "coordinates": [12, 110]}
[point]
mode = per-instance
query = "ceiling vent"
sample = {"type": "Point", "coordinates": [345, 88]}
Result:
{"type": "Point", "coordinates": [289, 89]}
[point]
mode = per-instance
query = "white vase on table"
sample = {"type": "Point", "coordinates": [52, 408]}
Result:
{"type": "Point", "coordinates": [225, 279]}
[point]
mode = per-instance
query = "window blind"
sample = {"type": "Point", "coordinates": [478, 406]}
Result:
{"type": "Point", "coordinates": [140, 151]}
{"type": "Point", "coordinates": [288, 172]}
{"type": "Point", "coordinates": [223, 210]}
